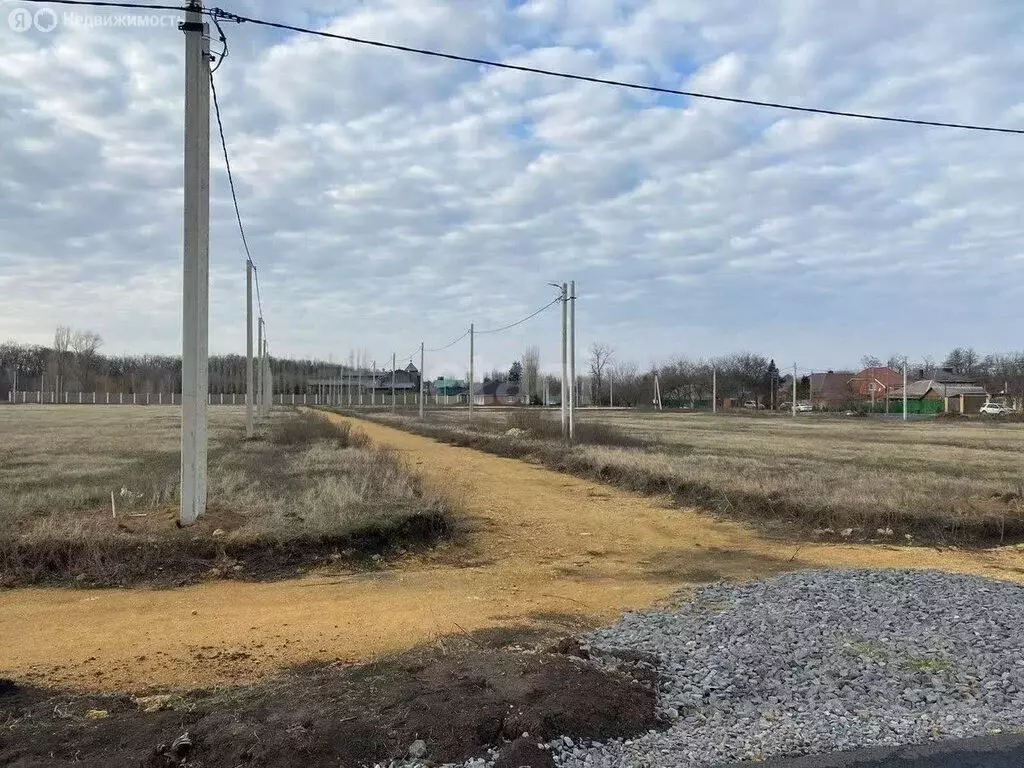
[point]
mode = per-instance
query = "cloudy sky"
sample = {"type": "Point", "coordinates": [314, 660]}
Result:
{"type": "Point", "coordinates": [390, 198]}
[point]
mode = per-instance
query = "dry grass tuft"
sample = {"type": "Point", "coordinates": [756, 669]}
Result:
{"type": "Point", "coordinates": [308, 428]}
{"type": "Point", "coordinates": [539, 426]}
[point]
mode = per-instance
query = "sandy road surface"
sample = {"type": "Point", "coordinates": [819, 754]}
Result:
{"type": "Point", "coordinates": [547, 548]}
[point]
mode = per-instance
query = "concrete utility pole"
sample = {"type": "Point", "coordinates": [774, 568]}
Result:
{"type": "Point", "coordinates": [794, 390]}
{"type": "Point", "coordinates": [572, 361]}
{"type": "Point", "coordinates": [248, 350]}
{"type": "Point", "coordinates": [266, 379]}
{"type": "Point", "coordinates": [810, 389]}
{"type": "Point", "coordinates": [259, 366]}
{"type": "Point", "coordinates": [611, 389]}
{"type": "Point", "coordinates": [714, 390]}
{"type": "Point", "coordinates": [196, 268]}
{"type": "Point", "coordinates": [360, 363]}
{"type": "Point", "coordinates": [565, 361]}
{"type": "Point", "coordinates": [268, 389]}
{"type": "Point", "coordinates": [393, 363]}
{"type": "Point", "coordinates": [472, 371]}
{"type": "Point", "coordinates": [421, 381]}
{"type": "Point", "coordinates": [373, 385]}
{"type": "Point", "coordinates": [351, 380]}
{"type": "Point", "coordinates": [904, 390]}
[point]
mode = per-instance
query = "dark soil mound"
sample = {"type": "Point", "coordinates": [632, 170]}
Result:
{"type": "Point", "coordinates": [459, 704]}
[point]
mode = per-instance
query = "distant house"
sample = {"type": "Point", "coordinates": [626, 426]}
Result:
{"type": "Point", "coordinates": [877, 381]}
{"type": "Point", "coordinates": [932, 396]}
{"type": "Point", "coordinates": [338, 384]}
{"type": "Point", "coordinates": [450, 391]}
{"type": "Point", "coordinates": [832, 389]}
{"type": "Point", "coordinates": [496, 393]}
{"type": "Point", "coordinates": [406, 379]}
{"type": "Point", "coordinates": [335, 384]}
{"type": "Point", "coordinates": [944, 376]}
{"type": "Point", "coordinates": [445, 386]}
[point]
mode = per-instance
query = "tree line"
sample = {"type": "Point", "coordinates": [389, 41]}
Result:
{"type": "Point", "coordinates": [74, 363]}
{"type": "Point", "coordinates": [747, 376]}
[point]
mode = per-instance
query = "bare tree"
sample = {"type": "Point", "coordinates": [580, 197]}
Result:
{"type": "Point", "coordinates": [12, 357]}
{"type": "Point", "coordinates": [870, 361]}
{"type": "Point", "coordinates": [85, 345]}
{"type": "Point", "coordinates": [600, 356]}
{"type": "Point", "coordinates": [629, 384]}
{"type": "Point", "coordinates": [896, 362]}
{"type": "Point", "coordinates": [61, 348]}
{"type": "Point", "coordinates": [962, 360]}
{"type": "Point", "coordinates": [531, 374]}
{"type": "Point", "coordinates": [552, 384]}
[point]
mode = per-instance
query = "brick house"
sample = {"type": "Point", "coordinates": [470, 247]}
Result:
{"type": "Point", "coordinates": [881, 380]}
{"type": "Point", "coordinates": [832, 389]}
{"type": "Point", "coordinates": [497, 393]}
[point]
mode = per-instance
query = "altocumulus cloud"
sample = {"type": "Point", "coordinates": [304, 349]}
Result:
{"type": "Point", "coordinates": [390, 198]}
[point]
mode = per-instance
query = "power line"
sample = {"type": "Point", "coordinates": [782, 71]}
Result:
{"type": "Point", "coordinates": [409, 356]}
{"type": "Point", "coordinates": [216, 106]}
{"type": "Point", "coordinates": [218, 12]}
{"type": "Point", "coordinates": [259, 301]}
{"type": "Point", "coordinates": [98, 4]}
{"type": "Point", "coordinates": [520, 322]}
{"type": "Point", "coordinates": [450, 344]}
{"type": "Point", "coordinates": [224, 41]}
{"type": "Point", "coordinates": [231, 183]}
{"type": "Point", "coordinates": [227, 165]}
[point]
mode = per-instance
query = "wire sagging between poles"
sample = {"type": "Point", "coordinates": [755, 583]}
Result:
{"type": "Point", "coordinates": [520, 322]}
{"type": "Point", "coordinates": [231, 184]}
{"type": "Point", "coordinates": [220, 13]}
{"type": "Point", "coordinates": [449, 344]}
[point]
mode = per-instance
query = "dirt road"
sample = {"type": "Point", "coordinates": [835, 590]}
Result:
{"type": "Point", "coordinates": [547, 549]}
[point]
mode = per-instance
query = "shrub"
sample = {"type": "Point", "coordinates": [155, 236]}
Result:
{"type": "Point", "coordinates": [309, 428]}
{"type": "Point", "coordinates": [533, 422]}
{"type": "Point", "coordinates": [542, 427]}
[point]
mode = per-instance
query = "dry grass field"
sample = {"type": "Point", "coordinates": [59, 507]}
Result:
{"type": "Point", "coordinates": [932, 481]}
{"type": "Point", "coordinates": [301, 492]}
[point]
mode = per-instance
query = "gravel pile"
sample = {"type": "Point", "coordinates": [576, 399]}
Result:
{"type": "Point", "coordinates": [818, 661]}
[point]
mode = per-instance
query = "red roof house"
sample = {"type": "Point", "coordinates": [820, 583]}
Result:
{"type": "Point", "coordinates": [882, 379]}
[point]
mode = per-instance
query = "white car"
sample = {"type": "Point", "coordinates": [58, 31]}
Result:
{"type": "Point", "coordinates": [803, 408]}
{"type": "Point", "coordinates": [994, 409]}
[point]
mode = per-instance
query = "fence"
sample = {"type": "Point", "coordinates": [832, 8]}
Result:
{"type": "Point", "coordinates": [382, 399]}
{"type": "Point", "coordinates": [923, 407]}
{"type": "Point", "coordinates": [140, 398]}
{"type": "Point", "coordinates": [685, 402]}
